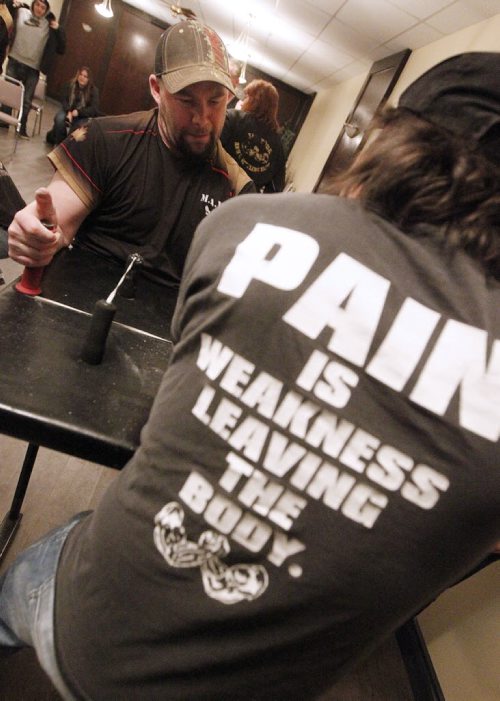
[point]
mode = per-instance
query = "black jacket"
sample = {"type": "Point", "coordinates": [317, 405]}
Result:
{"type": "Point", "coordinates": [91, 109]}
{"type": "Point", "coordinates": [257, 148]}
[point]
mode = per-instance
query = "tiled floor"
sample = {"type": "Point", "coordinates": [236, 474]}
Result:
{"type": "Point", "coordinates": [28, 166]}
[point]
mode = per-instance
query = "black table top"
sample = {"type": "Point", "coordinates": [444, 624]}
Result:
{"type": "Point", "coordinates": [78, 278]}
{"type": "Point", "coordinates": [49, 395]}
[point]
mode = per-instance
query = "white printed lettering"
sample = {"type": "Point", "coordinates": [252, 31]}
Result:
{"type": "Point", "coordinates": [424, 492]}
{"type": "Point", "coordinates": [364, 505]}
{"type": "Point", "coordinates": [347, 297]}
{"type": "Point", "coordinates": [459, 360]}
{"type": "Point", "coordinates": [275, 255]}
{"type": "Point", "coordinates": [398, 355]}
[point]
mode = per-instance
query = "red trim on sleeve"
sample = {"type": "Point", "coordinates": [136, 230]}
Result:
{"type": "Point", "coordinates": [78, 166]}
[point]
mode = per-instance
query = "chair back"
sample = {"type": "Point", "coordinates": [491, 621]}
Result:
{"type": "Point", "coordinates": [11, 95]}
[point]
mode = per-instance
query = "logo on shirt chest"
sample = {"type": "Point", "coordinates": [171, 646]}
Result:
{"type": "Point", "coordinates": [209, 202]}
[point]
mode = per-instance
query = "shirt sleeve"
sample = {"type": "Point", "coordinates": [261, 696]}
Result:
{"type": "Point", "coordinates": [84, 162]}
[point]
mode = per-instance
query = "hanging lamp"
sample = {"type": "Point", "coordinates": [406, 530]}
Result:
{"type": "Point", "coordinates": [239, 50]}
{"type": "Point", "coordinates": [104, 8]}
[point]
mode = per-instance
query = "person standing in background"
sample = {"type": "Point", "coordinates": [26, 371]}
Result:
{"type": "Point", "coordinates": [37, 35]}
{"type": "Point", "coordinates": [252, 136]}
{"type": "Point", "coordinates": [80, 101]}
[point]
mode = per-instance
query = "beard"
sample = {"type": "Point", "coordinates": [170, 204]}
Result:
{"type": "Point", "coordinates": [182, 149]}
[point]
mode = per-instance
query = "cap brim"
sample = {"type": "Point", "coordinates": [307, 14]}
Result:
{"type": "Point", "coordinates": [180, 79]}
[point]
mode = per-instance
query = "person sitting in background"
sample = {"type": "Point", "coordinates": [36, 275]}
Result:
{"type": "Point", "coordinates": [37, 35]}
{"type": "Point", "coordinates": [80, 101]}
{"type": "Point", "coordinates": [142, 182]}
{"type": "Point", "coordinates": [321, 459]}
{"type": "Point", "coordinates": [252, 136]}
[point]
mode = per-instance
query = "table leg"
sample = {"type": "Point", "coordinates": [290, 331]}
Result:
{"type": "Point", "coordinates": [13, 517]}
{"type": "Point", "coordinates": [421, 673]}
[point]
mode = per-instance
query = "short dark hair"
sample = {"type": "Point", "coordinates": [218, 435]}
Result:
{"type": "Point", "coordinates": [418, 175]}
{"type": "Point", "coordinates": [47, 6]}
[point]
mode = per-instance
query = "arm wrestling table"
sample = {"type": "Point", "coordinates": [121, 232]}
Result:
{"type": "Point", "coordinates": [49, 396]}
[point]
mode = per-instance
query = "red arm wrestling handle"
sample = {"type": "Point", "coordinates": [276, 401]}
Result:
{"type": "Point", "coordinates": [31, 279]}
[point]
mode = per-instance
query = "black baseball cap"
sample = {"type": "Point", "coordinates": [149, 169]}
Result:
{"type": "Point", "coordinates": [462, 95]}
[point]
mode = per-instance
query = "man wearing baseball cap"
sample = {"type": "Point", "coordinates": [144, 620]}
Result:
{"type": "Point", "coordinates": [321, 460]}
{"type": "Point", "coordinates": [142, 182]}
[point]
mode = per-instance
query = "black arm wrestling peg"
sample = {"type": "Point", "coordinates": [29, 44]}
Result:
{"type": "Point", "coordinates": [95, 342]}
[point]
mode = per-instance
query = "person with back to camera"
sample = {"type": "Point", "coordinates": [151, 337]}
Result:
{"type": "Point", "coordinates": [142, 182]}
{"type": "Point", "coordinates": [37, 36]}
{"type": "Point", "coordinates": [80, 101]}
{"type": "Point", "coordinates": [321, 459]}
{"type": "Point", "coordinates": [252, 136]}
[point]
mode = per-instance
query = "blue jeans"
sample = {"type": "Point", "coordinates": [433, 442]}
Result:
{"type": "Point", "coordinates": [59, 129]}
{"type": "Point", "coordinates": [29, 78]}
{"type": "Point", "coordinates": [27, 602]}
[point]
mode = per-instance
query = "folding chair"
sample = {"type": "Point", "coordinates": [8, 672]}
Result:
{"type": "Point", "coordinates": [38, 103]}
{"type": "Point", "coordinates": [12, 95]}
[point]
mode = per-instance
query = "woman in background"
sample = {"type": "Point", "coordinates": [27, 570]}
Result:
{"type": "Point", "coordinates": [252, 136]}
{"type": "Point", "coordinates": [80, 101]}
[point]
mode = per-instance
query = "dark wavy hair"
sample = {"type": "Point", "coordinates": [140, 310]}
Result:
{"type": "Point", "coordinates": [262, 100]}
{"type": "Point", "coordinates": [416, 175]}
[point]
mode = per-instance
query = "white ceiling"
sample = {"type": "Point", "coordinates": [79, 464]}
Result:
{"type": "Point", "coordinates": [314, 44]}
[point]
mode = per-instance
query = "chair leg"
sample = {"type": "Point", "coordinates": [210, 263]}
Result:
{"type": "Point", "coordinates": [37, 124]}
{"type": "Point", "coordinates": [13, 517]}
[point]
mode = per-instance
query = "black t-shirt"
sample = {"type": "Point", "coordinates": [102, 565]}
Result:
{"type": "Point", "coordinates": [321, 461]}
{"type": "Point", "coordinates": [143, 199]}
{"type": "Point", "coordinates": [256, 147]}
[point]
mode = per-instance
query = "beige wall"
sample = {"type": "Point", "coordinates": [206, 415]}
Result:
{"type": "Point", "coordinates": [319, 133]}
{"type": "Point", "coordinates": [461, 627]}
{"type": "Point", "coordinates": [56, 7]}
{"type": "Point", "coordinates": [331, 107]}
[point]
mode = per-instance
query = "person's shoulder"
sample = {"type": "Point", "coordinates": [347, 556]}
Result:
{"type": "Point", "coordinates": [21, 10]}
{"type": "Point", "coordinates": [233, 116]}
{"type": "Point", "coordinates": [307, 204]}
{"type": "Point", "coordinates": [132, 124]}
{"type": "Point", "coordinates": [240, 181]}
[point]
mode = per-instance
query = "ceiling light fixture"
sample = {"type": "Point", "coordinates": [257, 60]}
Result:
{"type": "Point", "coordinates": [183, 12]}
{"type": "Point", "coordinates": [104, 8]}
{"type": "Point", "coordinates": [239, 50]}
